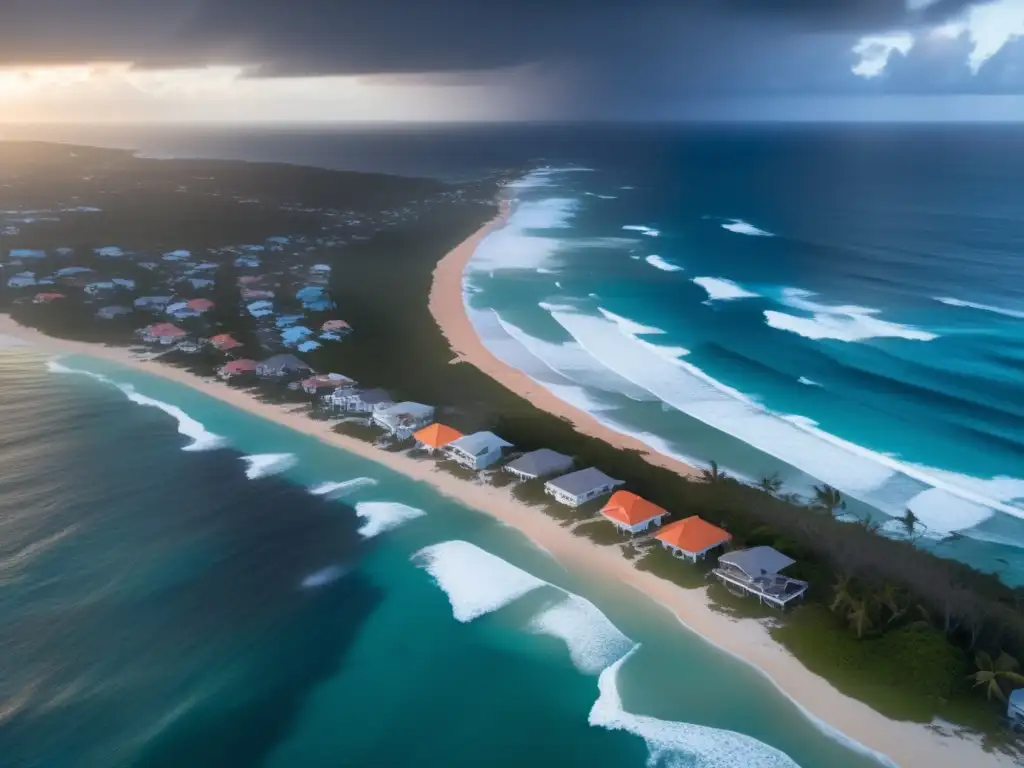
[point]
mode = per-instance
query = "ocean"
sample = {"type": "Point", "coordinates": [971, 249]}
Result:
{"type": "Point", "coordinates": [833, 304]}
{"type": "Point", "coordinates": [183, 583]}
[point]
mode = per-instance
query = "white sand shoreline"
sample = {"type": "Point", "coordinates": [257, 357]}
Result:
{"type": "Point", "coordinates": [909, 745]}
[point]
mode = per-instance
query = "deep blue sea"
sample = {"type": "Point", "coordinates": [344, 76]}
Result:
{"type": "Point", "coordinates": [182, 583]}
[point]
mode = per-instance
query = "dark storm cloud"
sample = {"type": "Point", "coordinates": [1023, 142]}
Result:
{"type": "Point", "coordinates": [290, 37]}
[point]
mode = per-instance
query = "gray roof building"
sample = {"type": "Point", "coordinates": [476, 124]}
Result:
{"type": "Point", "coordinates": [579, 483]}
{"type": "Point", "coordinates": [541, 463]}
{"type": "Point", "coordinates": [758, 561]}
{"type": "Point", "coordinates": [479, 442]}
{"type": "Point", "coordinates": [281, 364]}
{"type": "Point", "coordinates": [374, 396]}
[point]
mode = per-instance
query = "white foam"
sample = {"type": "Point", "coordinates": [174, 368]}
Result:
{"type": "Point", "coordinates": [720, 289]}
{"type": "Point", "coordinates": [808, 382]}
{"type": "Point", "coordinates": [516, 245]}
{"type": "Point", "coordinates": [593, 641]}
{"type": "Point", "coordinates": [202, 438]}
{"type": "Point", "coordinates": [336, 490]}
{"type": "Point", "coordinates": [648, 231]}
{"type": "Point", "coordinates": [544, 271]}
{"type": "Point", "coordinates": [603, 197]}
{"type": "Point", "coordinates": [660, 263]}
{"type": "Point", "coordinates": [741, 227]}
{"type": "Point", "coordinates": [628, 326]}
{"type": "Point", "coordinates": [983, 307]}
{"type": "Point", "coordinates": [266, 464]}
{"type": "Point", "coordinates": [475, 581]}
{"type": "Point", "coordinates": [839, 322]}
{"type": "Point", "coordinates": [675, 743]}
{"type": "Point", "coordinates": [324, 576]}
{"type": "Point", "coordinates": [944, 513]}
{"type": "Point", "coordinates": [381, 516]}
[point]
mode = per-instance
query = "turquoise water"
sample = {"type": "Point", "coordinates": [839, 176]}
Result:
{"type": "Point", "coordinates": [202, 617]}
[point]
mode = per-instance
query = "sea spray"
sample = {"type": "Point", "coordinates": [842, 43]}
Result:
{"type": "Point", "coordinates": [381, 516]}
{"type": "Point", "coordinates": [266, 464]}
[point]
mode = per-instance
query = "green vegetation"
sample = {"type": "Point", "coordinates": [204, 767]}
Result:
{"type": "Point", "coordinates": [683, 573]}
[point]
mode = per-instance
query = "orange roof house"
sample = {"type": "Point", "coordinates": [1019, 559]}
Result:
{"type": "Point", "coordinates": [632, 513]}
{"type": "Point", "coordinates": [225, 342]}
{"type": "Point", "coordinates": [692, 538]}
{"type": "Point", "coordinates": [436, 436]}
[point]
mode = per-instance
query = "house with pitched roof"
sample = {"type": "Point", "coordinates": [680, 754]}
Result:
{"type": "Point", "coordinates": [692, 537]}
{"type": "Point", "coordinates": [162, 333]}
{"type": "Point", "coordinates": [237, 368]}
{"type": "Point", "coordinates": [402, 419]}
{"type": "Point", "coordinates": [757, 572]}
{"type": "Point", "coordinates": [478, 450]}
{"type": "Point", "coordinates": [631, 513]}
{"type": "Point", "coordinates": [225, 342]}
{"type": "Point", "coordinates": [580, 487]}
{"type": "Point", "coordinates": [435, 437]}
{"type": "Point", "coordinates": [540, 463]}
{"type": "Point", "coordinates": [279, 366]}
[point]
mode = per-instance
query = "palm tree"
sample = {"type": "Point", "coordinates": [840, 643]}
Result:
{"type": "Point", "coordinates": [841, 588]}
{"type": "Point", "coordinates": [771, 484]}
{"type": "Point", "coordinates": [991, 674]}
{"type": "Point", "coordinates": [910, 521]}
{"type": "Point", "coordinates": [869, 525]}
{"type": "Point", "coordinates": [828, 499]}
{"type": "Point", "coordinates": [894, 599]}
{"type": "Point", "coordinates": [713, 474]}
{"type": "Point", "coordinates": [861, 616]}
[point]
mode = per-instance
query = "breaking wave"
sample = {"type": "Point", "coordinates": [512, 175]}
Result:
{"type": "Point", "coordinates": [647, 231]}
{"type": "Point", "coordinates": [675, 743]}
{"type": "Point", "coordinates": [720, 289]}
{"type": "Point", "coordinates": [983, 307]}
{"type": "Point", "coordinates": [202, 438]}
{"type": "Point", "coordinates": [266, 464]}
{"type": "Point", "coordinates": [381, 516]}
{"type": "Point", "coordinates": [660, 263]}
{"type": "Point", "coordinates": [475, 581]}
{"type": "Point", "coordinates": [337, 490]}
{"type": "Point", "coordinates": [839, 322]}
{"type": "Point", "coordinates": [741, 227]}
{"type": "Point", "coordinates": [593, 641]}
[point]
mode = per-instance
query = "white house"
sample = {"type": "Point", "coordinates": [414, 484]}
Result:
{"type": "Point", "coordinates": [477, 451]}
{"type": "Point", "coordinates": [27, 253]}
{"type": "Point", "coordinates": [540, 463]}
{"type": "Point", "coordinates": [21, 280]}
{"type": "Point", "coordinates": [402, 419]}
{"type": "Point", "coordinates": [94, 289]}
{"type": "Point", "coordinates": [359, 401]}
{"type": "Point", "coordinates": [579, 487]}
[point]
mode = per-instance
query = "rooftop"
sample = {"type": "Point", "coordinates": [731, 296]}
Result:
{"type": "Point", "coordinates": [629, 509]}
{"type": "Point", "coordinates": [758, 561]}
{"type": "Point", "coordinates": [541, 462]}
{"type": "Point", "coordinates": [578, 483]}
{"type": "Point", "coordinates": [692, 534]}
{"type": "Point", "coordinates": [437, 435]}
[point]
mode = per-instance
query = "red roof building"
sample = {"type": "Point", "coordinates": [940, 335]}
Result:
{"type": "Point", "coordinates": [200, 305]}
{"type": "Point", "coordinates": [237, 368]}
{"type": "Point", "coordinates": [46, 298]}
{"type": "Point", "coordinates": [336, 326]}
{"type": "Point", "coordinates": [629, 512]}
{"type": "Point", "coordinates": [225, 342]}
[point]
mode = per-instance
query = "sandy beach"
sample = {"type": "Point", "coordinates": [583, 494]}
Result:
{"type": "Point", "coordinates": [449, 312]}
{"type": "Point", "coordinates": [907, 744]}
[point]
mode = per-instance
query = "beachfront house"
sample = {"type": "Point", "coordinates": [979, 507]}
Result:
{"type": "Point", "coordinates": [692, 538]}
{"type": "Point", "coordinates": [237, 368]}
{"type": "Point", "coordinates": [477, 451]}
{"type": "Point", "coordinates": [756, 572]}
{"type": "Point", "coordinates": [332, 381]}
{"type": "Point", "coordinates": [1015, 709]}
{"type": "Point", "coordinates": [580, 487]}
{"type": "Point", "coordinates": [540, 463]}
{"type": "Point", "coordinates": [161, 333]}
{"type": "Point", "coordinates": [279, 366]}
{"type": "Point", "coordinates": [261, 308]}
{"type": "Point", "coordinates": [631, 513]}
{"type": "Point", "coordinates": [402, 419]}
{"type": "Point", "coordinates": [335, 330]}
{"type": "Point", "coordinates": [362, 401]}
{"type": "Point", "coordinates": [22, 280]}
{"type": "Point", "coordinates": [435, 437]}
{"type": "Point", "coordinates": [20, 254]}
{"type": "Point", "coordinates": [47, 298]}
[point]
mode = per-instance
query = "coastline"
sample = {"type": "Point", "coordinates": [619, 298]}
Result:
{"type": "Point", "coordinates": [446, 305]}
{"type": "Point", "coordinates": [907, 744]}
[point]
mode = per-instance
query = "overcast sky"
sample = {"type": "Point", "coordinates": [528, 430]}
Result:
{"type": "Point", "coordinates": [298, 60]}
